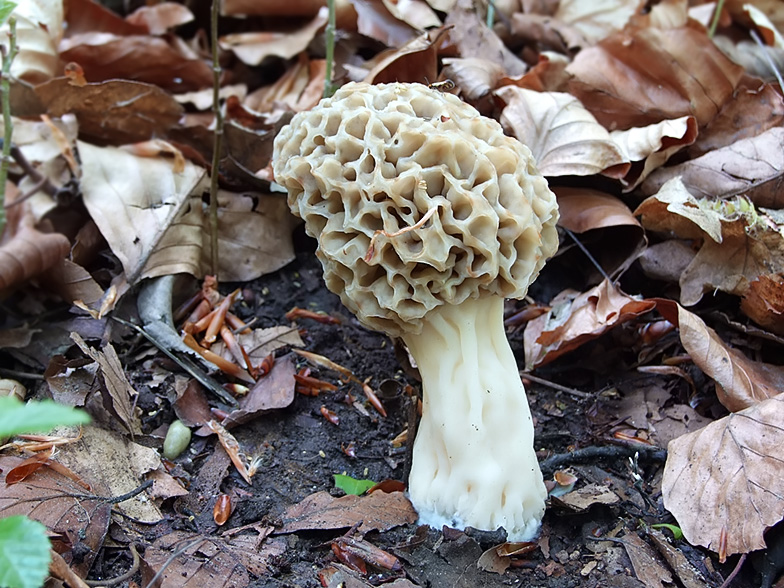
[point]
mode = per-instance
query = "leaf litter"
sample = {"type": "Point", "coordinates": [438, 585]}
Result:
{"type": "Point", "coordinates": [662, 332]}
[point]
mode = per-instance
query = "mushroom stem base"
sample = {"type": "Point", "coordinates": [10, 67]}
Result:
{"type": "Point", "coordinates": [474, 462]}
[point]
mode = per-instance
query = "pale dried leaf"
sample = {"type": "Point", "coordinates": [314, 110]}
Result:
{"type": "Point", "coordinates": [563, 136]}
{"type": "Point", "coordinates": [39, 28]}
{"type": "Point", "coordinates": [585, 497]}
{"type": "Point", "coordinates": [253, 48]}
{"type": "Point", "coordinates": [724, 483]}
{"type": "Point", "coordinates": [135, 200]}
{"type": "Point", "coordinates": [755, 59]}
{"type": "Point", "coordinates": [475, 76]}
{"type": "Point", "coordinates": [596, 20]}
{"type": "Point", "coordinates": [122, 394]}
{"type": "Point", "coordinates": [653, 145]}
{"type": "Point", "coordinates": [576, 318]}
{"type": "Point", "coordinates": [769, 31]}
{"type": "Point", "coordinates": [752, 167]}
{"type": "Point", "coordinates": [644, 75]}
{"type": "Point", "coordinates": [740, 382]}
{"type": "Point", "coordinates": [415, 13]}
{"type": "Point", "coordinates": [159, 18]}
{"type": "Point", "coordinates": [377, 511]}
{"type": "Point", "coordinates": [412, 62]}
{"type": "Point", "coordinates": [472, 38]}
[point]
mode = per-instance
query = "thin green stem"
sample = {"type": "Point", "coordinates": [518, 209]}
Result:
{"type": "Point", "coordinates": [490, 13]}
{"type": "Point", "coordinates": [716, 17]}
{"type": "Point", "coordinates": [217, 145]}
{"type": "Point", "coordinates": [329, 40]}
{"type": "Point", "coordinates": [8, 130]}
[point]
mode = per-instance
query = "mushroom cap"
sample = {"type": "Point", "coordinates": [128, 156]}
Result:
{"type": "Point", "coordinates": [367, 167]}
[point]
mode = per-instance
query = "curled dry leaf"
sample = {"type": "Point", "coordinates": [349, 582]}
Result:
{"type": "Point", "coordinates": [724, 483]}
{"type": "Point", "coordinates": [375, 20]}
{"type": "Point", "coordinates": [39, 28]}
{"type": "Point", "coordinates": [475, 76]}
{"type": "Point", "coordinates": [412, 62]}
{"type": "Point", "coordinates": [30, 253]}
{"type": "Point", "coordinates": [576, 318]}
{"type": "Point", "coordinates": [648, 148]}
{"type": "Point", "coordinates": [644, 75]}
{"type": "Point", "coordinates": [563, 136]}
{"type": "Point", "coordinates": [750, 166]}
{"type": "Point", "coordinates": [740, 382]}
{"type": "Point", "coordinates": [159, 18]}
{"type": "Point", "coordinates": [253, 48]}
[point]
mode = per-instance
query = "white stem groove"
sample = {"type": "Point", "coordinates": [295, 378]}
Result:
{"type": "Point", "coordinates": [474, 462]}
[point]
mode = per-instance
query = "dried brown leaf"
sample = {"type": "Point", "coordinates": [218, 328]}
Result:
{"type": "Point", "coordinates": [30, 253]}
{"type": "Point", "coordinates": [752, 167]}
{"type": "Point", "coordinates": [475, 76]}
{"type": "Point", "coordinates": [470, 35]}
{"type": "Point", "coordinates": [375, 20]}
{"type": "Point", "coordinates": [644, 75]}
{"type": "Point", "coordinates": [563, 136]}
{"type": "Point", "coordinates": [167, 63]}
{"type": "Point", "coordinates": [646, 564]}
{"type": "Point", "coordinates": [415, 61]}
{"type": "Point", "coordinates": [377, 511]}
{"type": "Point", "coordinates": [740, 382]}
{"type": "Point", "coordinates": [725, 481]}
{"type": "Point", "coordinates": [188, 559]}
{"type": "Point", "coordinates": [576, 318]}
{"type": "Point", "coordinates": [253, 48]}
{"type": "Point", "coordinates": [764, 302]}
{"type": "Point", "coordinates": [115, 111]}
{"type": "Point", "coordinates": [63, 506]}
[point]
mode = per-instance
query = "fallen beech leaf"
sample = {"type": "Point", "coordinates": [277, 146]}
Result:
{"type": "Point", "coordinates": [752, 167]}
{"type": "Point", "coordinates": [475, 76]}
{"type": "Point", "coordinates": [377, 511]}
{"type": "Point", "coordinates": [412, 62]}
{"type": "Point", "coordinates": [648, 148]}
{"type": "Point", "coordinates": [188, 559]}
{"type": "Point", "coordinates": [375, 20]}
{"type": "Point", "coordinates": [576, 318]}
{"type": "Point", "coordinates": [646, 564]}
{"type": "Point", "coordinates": [641, 76]}
{"type": "Point", "coordinates": [764, 302]}
{"type": "Point", "coordinates": [39, 28]}
{"type": "Point", "coordinates": [725, 479]}
{"type": "Point", "coordinates": [740, 382]}
{"type": "Point", "coordinates": [563, 136]}
{"type": "Point", "coordinates": [159, 18]}
{"type": "Point", "coordinates": [30, 253]}
{"type": "Point", "coordinates": [65, 507]}
{"type": "Point", "coordinates": [117, 111]}
{"type": "Point", "coordinates": [583, 498]}
{"type": "Point", "coordinates": [167, 63]}
{"type": "Point", "coordinates": [300, 88]}
{"type": "Point", "coordinates": [253, 48]}
{"type": "Point", "coordinates": [472, 38]}
{"type": "Point", "coordinates": [121, 393]}
{"type": "Point", "coordinates": [596, 20]}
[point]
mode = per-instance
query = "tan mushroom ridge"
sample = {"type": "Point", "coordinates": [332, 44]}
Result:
{"type": "Point", "coordinates": [427, 216]}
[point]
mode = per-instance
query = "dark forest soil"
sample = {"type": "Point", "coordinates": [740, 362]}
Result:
{"type": "Point", "coordinates": [299, 451]}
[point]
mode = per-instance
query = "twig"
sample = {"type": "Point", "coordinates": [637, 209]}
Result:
{"type": "Point", "coordinates": [217, 145]}
{"type": "Point", "coordinates": [5, 85]}
{"type": "Point", "coordinates": [122, 578]}
{"type": "Point", "coordinates": [735, 572]}
{"type": "Point", "coordinates": [591, 454]}
{"type": "Point", "coordinates": [554, 386]}
{"type": "Point", "coordinates": [329, 50]}
{"type": "Point", "coordinates": [590, 257]}
{"type": "Point", "coordinates": [185, 364]}
{"type": "Point", "coordinates": [173, 556]}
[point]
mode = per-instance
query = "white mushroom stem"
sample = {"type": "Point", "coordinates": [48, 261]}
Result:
{"type": "Point", "coordinates": [474, 462]}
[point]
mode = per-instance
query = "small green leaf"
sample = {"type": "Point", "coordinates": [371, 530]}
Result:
{"type": "Point", "coordinates": [24, 553]}
{"type": "Point", "coordinates": [36, 417]}
{"type": "Point", "coordinates": [351, 485]}
{"type": "Point", "coordinates": [6, 8]}
{"type": "Point", "coordinates": [674, 529]}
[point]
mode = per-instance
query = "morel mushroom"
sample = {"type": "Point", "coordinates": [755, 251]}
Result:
{"type": "Point", "coordinates": [427, 216]}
